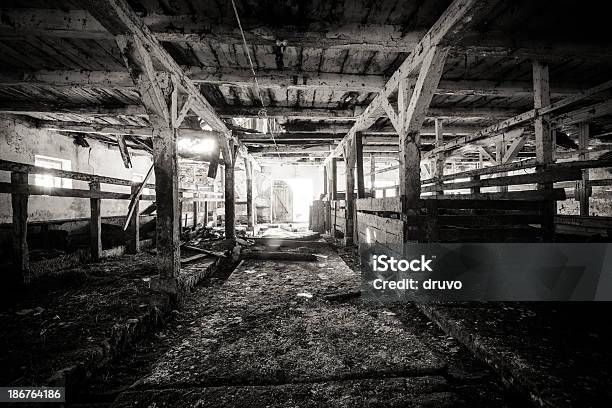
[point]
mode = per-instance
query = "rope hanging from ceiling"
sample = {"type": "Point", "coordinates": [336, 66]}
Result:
{"type": "Point", "coordinates": [263, 113]}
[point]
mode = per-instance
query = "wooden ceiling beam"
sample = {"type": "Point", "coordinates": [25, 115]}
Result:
{"type": "Point", "coordinates": [287, 79]}
{"type": "Point", "coordinates": [232, 111]}
{"type": "Point", "coordinates": [448, 27]}
{"type": "Point", "coordinates": [372, 136]}
{"type": "Point", "coordinates": [117, 17]}
{"type": "Point", "coordinates": [322, 150]}
{"type": "Point", "coordinates": [93, 111]}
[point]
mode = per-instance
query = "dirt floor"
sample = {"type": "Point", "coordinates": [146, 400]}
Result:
{"type": "Point", "coordinates": [287, 333]}
{"type": "Point", "coordinates": [56, 322]}
{"type": "Point", "coordinates": [280, 333]}
{"type": "Point", "coordinates": [558, 353]}
{"type": "Point", "coordinates": [65, 326]}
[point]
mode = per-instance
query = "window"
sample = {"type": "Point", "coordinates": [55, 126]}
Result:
{"type": "Point", "coordinates": [47, 180]}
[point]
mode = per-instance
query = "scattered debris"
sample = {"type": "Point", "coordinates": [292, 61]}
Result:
{"type": "Point", "coordinates": [279, 256]}
{"type": "Point", "coordinates": [194, 258]}
{"type": "Point", "coordinates": [205, 251]}
{"type": "Point", "coordinates": [342, 296]}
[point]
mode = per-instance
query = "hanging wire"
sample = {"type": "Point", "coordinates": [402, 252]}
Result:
{"type": "Point", "coordinates": [263, 113]}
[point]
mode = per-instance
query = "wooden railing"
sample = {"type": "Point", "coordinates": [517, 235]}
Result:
{"type": "Point", "coordinates": [20, 190]}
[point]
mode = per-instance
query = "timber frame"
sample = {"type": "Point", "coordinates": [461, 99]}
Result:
{"type": "Point", "coordinates": [448, 98]}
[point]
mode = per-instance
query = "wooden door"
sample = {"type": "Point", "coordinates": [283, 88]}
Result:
{"type": "Point", "coordinates": [282, 202]}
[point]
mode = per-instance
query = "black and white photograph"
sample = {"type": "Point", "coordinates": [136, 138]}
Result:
{"type": "Point", "coordinates": [305, 203]}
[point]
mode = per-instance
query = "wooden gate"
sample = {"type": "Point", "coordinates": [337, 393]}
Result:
{"type": "Point", "coordinates": [282, 202]}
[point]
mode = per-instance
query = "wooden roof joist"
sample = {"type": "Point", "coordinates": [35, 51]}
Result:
{"type": "Point", "coordinates": [233, 111]}
{"type": "Point", "coordinates": [91, 110]}
{"type": "Point", "coordinates": [529, 116]}
{"type": "Point", "coordinates": [320, 150]}
{"type": "Point", "coordinates": [372, 136]}
{"type": "Point", "coordinates": [297, 138]}
{"type": "Point", "coordinates": [287, 79]}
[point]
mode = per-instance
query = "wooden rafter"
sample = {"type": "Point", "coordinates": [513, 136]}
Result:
{"type": "Point", "coordinates": [120, 20]}
{"type": "Point", "coordinates": [520, 119]}
{"type": "Point", "coordinates": [460, 12]}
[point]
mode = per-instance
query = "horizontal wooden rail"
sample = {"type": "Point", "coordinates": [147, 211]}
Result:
{"type": "Point", "coordinates": [73, 175]}
{"type": "Point", "coordinates": [7, 165]}
{"type": "Point", "coordinates": [519, 165]}
{"type": "Point", "coordinates": [600, 182]}
{"type": "Point", "coordinates": [67, 192]}
{"type": "Point", "coordinates": [533, 195]}
{"type": "Point", "coordinates": [391, 204]}
{"type": "Point", "coordinates": [9, 188]}
{"type": "Point", "coordinates": [519, 200]}
{"type": "Point", "coordinates": [531, 178]}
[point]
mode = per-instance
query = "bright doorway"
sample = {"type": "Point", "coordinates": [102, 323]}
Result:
{"type": "Point", "coordinates": [291, 200]}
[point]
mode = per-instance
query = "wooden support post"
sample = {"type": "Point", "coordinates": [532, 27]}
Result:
{"type": "Point", "coordinates": [500, 152]}
{"type": "Point", "coordinates": [440, 157]}
{"type": "Point", "coordinates": [326, 200]}
{"type": "Point", "coordinates": [325, 182]}
{"type": "Point", "coordinates": [476, 189]}
{"type": "Point", "coordinates": [543, 133]}
{"type": "Point", "coordinates": [165, 162]}
{"type": "Point", "coordinates": [372, 174]}
{"type": "Point", "coordinates": [230, 200]}
{"type": "Point", "coordinates": [155, 90]}
{"type": "Point", "coordinates": [19, 201]}
{"type": "Point", "coordinates": [544, 143]}
{"type": "Point", "coordinates": [349, 210]}
{"type": "Point", "coordinates": [95, 224]}
{"type": "Point", "coordinates": [133, 230]}
{"type": "Point", "coordinates": [333, 191]}
{"type": "Point", "coordinates": [583, 154]}
{"type": "Point", "coordinates": [359, 165]}
{"type": "Point", "coordinates": [409, 133]}
{"type": "Point", "coordinates": [432, 227]}
{"type": "Point", "coordinates": [333, 194]}
{"type": "Point", "coordinates": [248, 167]}
{"type": "Point", "coordinates": [196, 214]}
{"type": "Point", "coordinates": [205, 220]}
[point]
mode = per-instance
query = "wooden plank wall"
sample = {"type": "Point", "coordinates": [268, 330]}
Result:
{"type": "Point", "coordinates": [319, 216]}
{"type": "Point", "coordinates": [338, 214]}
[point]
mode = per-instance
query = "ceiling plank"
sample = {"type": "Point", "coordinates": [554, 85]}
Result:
{"type": "Point", "coordinates": [197, 30]}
